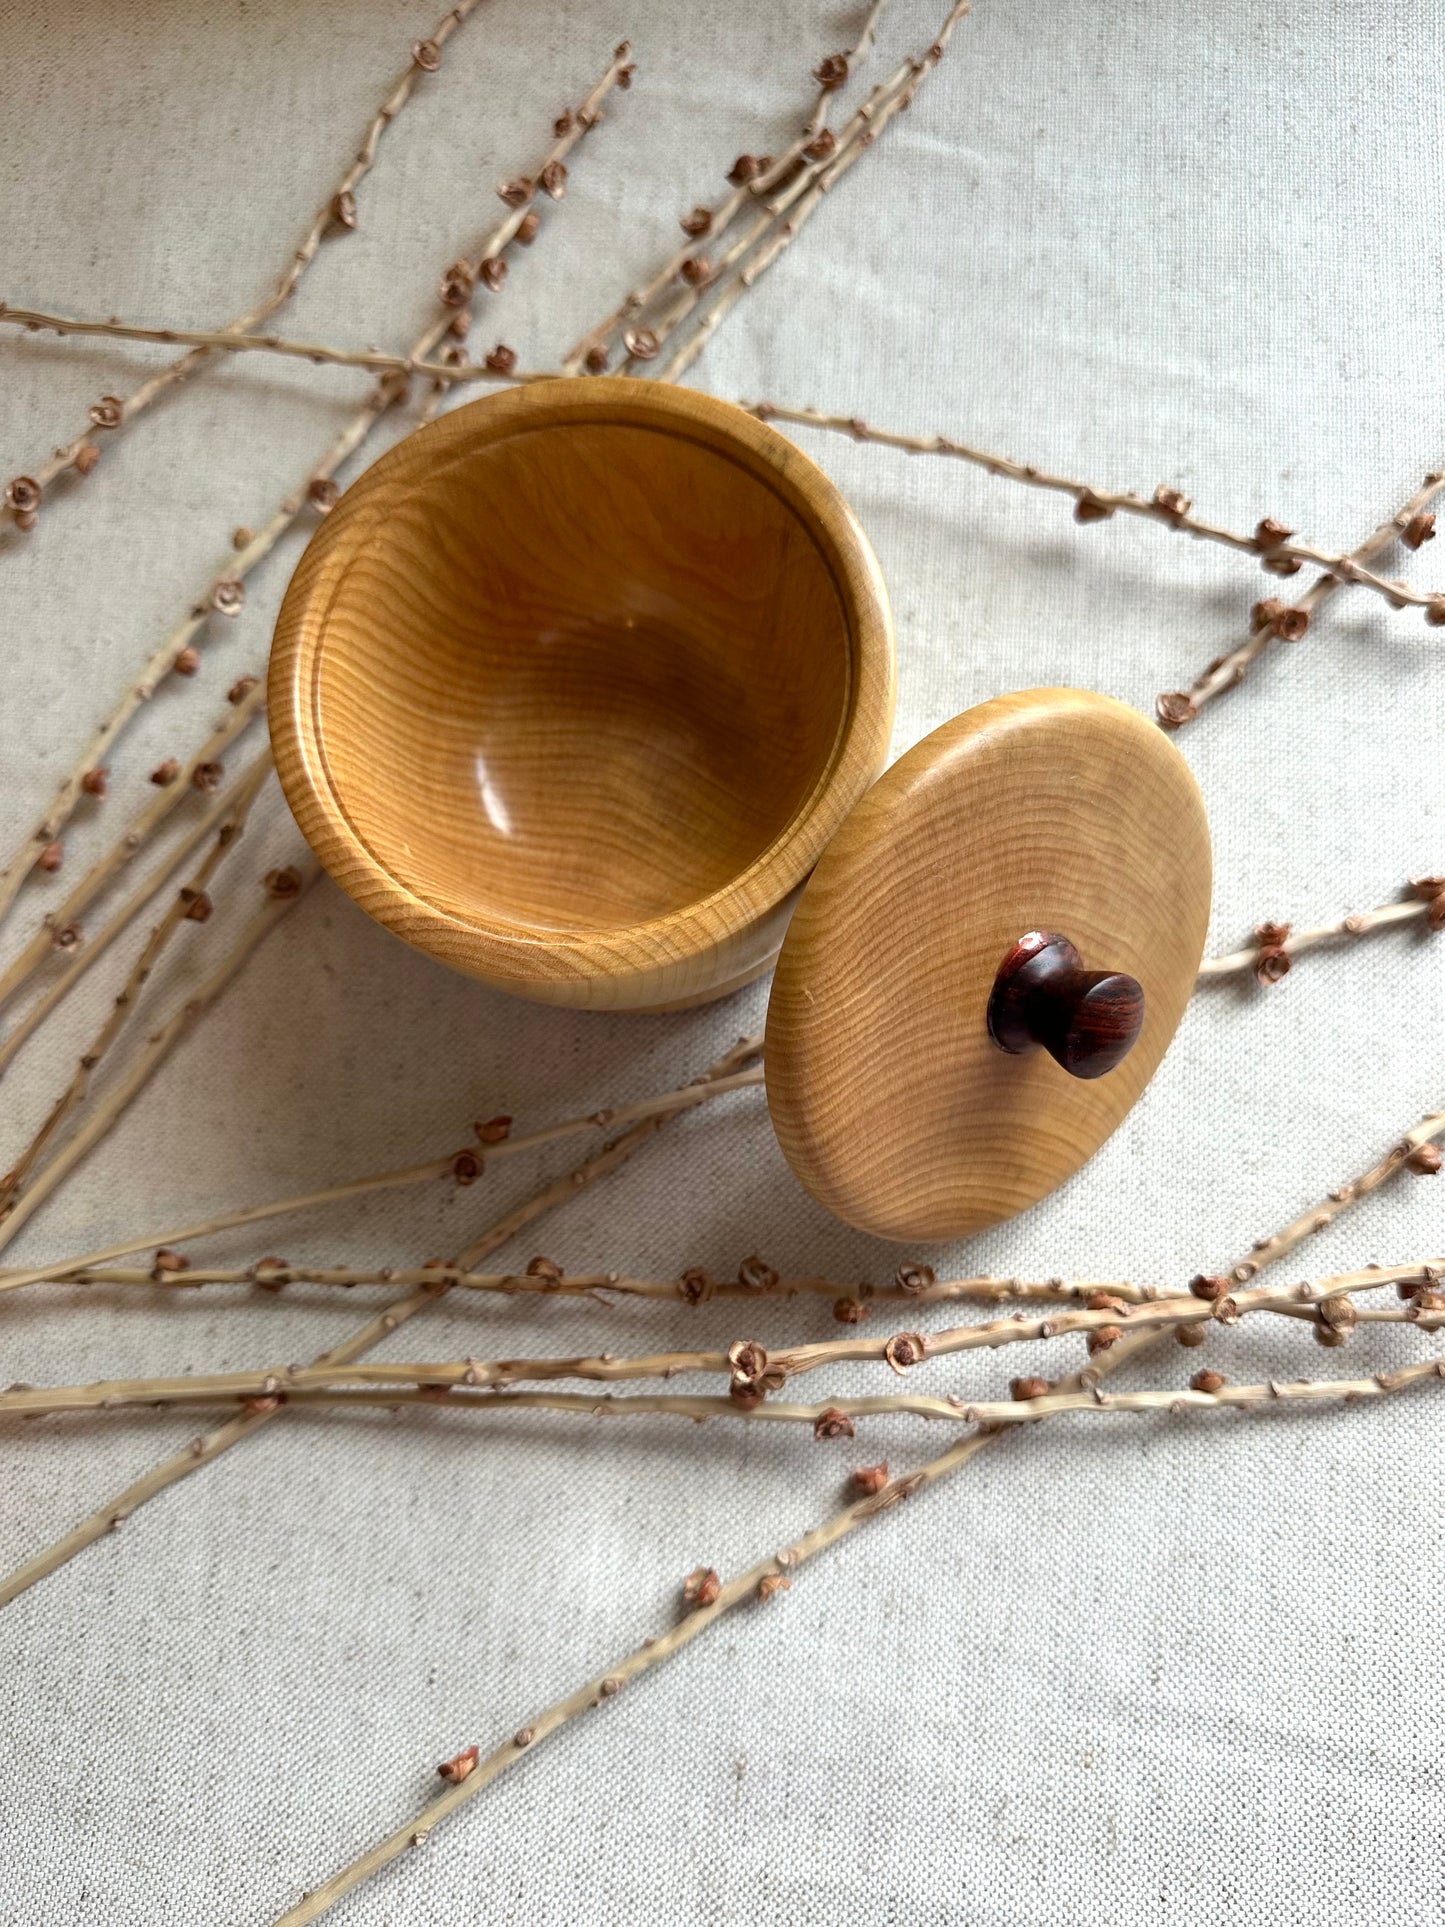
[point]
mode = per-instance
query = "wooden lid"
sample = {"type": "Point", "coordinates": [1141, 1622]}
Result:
{"type": "Point", "coordinates": [1046, 815]}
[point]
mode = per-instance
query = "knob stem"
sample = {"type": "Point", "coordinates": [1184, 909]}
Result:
{"type": "Point", "coordinates": [1087, 1020]}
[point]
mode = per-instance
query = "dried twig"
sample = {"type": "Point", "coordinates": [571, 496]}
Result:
{"type": "Point", "coordinates": [795, 207]}
{"type": "Point", "coordinates": [788, 212]}
{"type": "Point", "coordinates": [176, 782]}
{"type": "Point", "coordinates": [201, 1451]}
{"type": "Point", "coordinates": [191, 904]}
{"type": "Point", "coordinates": [753, 1368]}
{"type": "Point", "coordinates": [1167, 506]}
{"type": "Point", "coordinates": [336, 215]}
{"type": "Point", "coordinates": [830, 1418]}
{"type": "Point", "coordinates": [465, 1165]}
{"type": "Point", "coordinates": [1271, 543]}
{"type": "Point", "coordinates": [82, 956]}
{"type": "Point", "coordinates": [320, 353]}
{"type": "Point", "coordinates": [761, 1580]}
{"type": "Point", "coordinates": [693, 1287]}
{"type": "Point", "coordinates": [1275, 946]}
{"type": "Point", "coordinates": [705, 226]}
{"type": "Point", "coordinates": [1404, 1155]}
{"type": "Point", "coordinates": [764, 215]}
{"type": "Point", "coordinates": [225, 592]}
{"type": "Point", "coordinates": [317, 491]}
{"type": "Point", "coordinates": [1272, 622]}
{"type": "Point", "coordinates": [152, 1054]}
{"type": "Point", "coordinates": [693, 1283]}
{"type": "Point", "coordinates": [813, 162]}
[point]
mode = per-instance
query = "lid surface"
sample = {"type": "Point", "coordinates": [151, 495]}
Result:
{"type": "Point", "coordinates": [1053, 810]}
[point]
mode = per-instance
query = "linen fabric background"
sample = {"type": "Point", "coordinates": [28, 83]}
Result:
{"type": "Point", "coordinates": [1175, 1671]}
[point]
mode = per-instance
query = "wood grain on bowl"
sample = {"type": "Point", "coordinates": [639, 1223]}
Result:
{"type": "Point", "coordinates": [574, 686]}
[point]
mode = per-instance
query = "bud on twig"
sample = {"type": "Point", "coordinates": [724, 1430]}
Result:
{"type": "Point", "coordinates": [1269, 534]}
{"type": "Point", "coordinates": [1418, 530]}
{"type": "Point", "coordinates": [455, 287]}
{"type": "Point", "coordinates": [905, 1349]}
{"type": "Point", "coordinates": [23, 495]}
{"type": "Point", "coordinates": [701, 1586]}
{"type": "Point", "coordinates": [913, 1279]}
{"type": "Point", "coordinates": [694, 1286]}
{"type": "Point", "coordinates": [453, 1771]}
{"type": "Point", "coordinates": [754, 1274]}
{"type": "Point", "coordinates": [1175, 709]}
{"type": "Point", "coordinates": [866, 1480]}
{"type": "Point", "coordinates": [1273, 961]}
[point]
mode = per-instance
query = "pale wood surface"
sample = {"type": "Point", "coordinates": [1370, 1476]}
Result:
{"type": "Point", "coordinates": [1051, 808]}
{"type": "Point", "coordinates": [576, 683]}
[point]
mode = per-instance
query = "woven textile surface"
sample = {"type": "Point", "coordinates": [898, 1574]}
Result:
{"type": "Point", "coordinates": [1158, 1670]}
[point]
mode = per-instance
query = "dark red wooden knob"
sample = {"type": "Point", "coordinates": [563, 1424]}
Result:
{"type": "Point", "coordinates": [1087, 1020]}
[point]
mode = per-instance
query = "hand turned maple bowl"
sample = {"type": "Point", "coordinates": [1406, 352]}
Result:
{"type": "Point", "coordinates": [574, 686]}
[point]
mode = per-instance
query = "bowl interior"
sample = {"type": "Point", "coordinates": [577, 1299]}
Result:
{"type": "Point", "coordinates": [581, 676]}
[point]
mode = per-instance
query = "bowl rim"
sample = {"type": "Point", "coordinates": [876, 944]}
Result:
{"type": "Point", "coordinates": [512, 953]}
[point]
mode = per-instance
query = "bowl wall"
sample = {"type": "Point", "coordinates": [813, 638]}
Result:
{"type": "Point", "coordinates": [573, 685]}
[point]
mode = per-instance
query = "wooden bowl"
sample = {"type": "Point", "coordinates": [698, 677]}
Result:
{"type": "Point", "coordinates": [574, 686]}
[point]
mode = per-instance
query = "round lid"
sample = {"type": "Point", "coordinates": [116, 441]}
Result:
{"type": "Point", "coordinates": [988, 964]}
